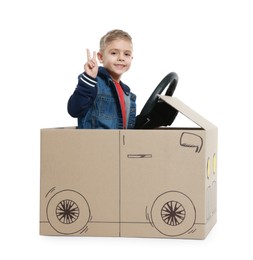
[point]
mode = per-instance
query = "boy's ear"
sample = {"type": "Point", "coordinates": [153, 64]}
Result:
{"type": "Point", "coordinates": [100, 57]}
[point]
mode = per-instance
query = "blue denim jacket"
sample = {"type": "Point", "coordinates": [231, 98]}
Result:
{"type": "Point", "coordinates": [95, 103]}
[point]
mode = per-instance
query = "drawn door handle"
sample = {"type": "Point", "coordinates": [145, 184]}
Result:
{"type": "Point", "coordinates": [139, 156]}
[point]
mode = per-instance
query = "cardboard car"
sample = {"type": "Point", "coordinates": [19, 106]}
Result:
{"type": "Point", "coordinates": [133, 183]}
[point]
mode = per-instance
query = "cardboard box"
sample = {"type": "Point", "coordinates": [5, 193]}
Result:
{"type": "Point", "coordinates": [132, 183]}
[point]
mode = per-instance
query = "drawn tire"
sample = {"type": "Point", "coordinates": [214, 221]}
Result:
{"type": "Point", "coordinates": [173, 213]}
{"type": "Point", "coordinates": [68, 212]}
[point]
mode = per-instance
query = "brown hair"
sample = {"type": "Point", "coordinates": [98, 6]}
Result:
{"type": "Point", "coordinates": [113, 35]}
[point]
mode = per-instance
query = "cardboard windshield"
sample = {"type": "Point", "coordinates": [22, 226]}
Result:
{"type": "Point", "coordinates": [188, 112]}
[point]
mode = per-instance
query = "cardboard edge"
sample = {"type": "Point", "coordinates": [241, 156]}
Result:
{"type": "Point", "coordinates": [188, 112]}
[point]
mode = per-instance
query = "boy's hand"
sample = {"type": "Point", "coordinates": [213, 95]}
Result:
{"type": "Point", "coordinates": [91, 66]}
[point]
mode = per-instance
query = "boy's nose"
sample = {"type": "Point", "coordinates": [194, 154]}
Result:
{"type": "Point", "coordinates": [121, 58]}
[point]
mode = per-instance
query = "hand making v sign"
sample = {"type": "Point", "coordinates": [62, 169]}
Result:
{"type": "Point", "coordinates": [91, 66]}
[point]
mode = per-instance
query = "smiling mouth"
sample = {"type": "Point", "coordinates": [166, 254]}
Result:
{"type": "Point", "coordinates": [119, 65]}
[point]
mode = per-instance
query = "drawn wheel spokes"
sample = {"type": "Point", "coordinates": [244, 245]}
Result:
{"type": "Point", "coordinates": [67, 211]}
{"type": "Point", "coordinates": [173, 213]}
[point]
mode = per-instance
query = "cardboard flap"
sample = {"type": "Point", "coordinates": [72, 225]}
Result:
{"type": "Point", "coordinates": [188, 112]}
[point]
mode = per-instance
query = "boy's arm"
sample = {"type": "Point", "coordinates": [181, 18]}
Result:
{"type": "Point", "coordinates": [83, 97]}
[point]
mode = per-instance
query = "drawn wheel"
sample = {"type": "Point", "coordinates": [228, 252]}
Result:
{"type": "Point", "coordinates": [173, 213]}
{"type": "Point", "coordinates": [68, 212]}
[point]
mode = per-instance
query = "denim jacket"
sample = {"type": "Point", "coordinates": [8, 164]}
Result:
{"type": "Point", "coordinates": [95, 102]}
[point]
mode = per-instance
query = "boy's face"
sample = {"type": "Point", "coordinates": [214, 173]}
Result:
{"type": "Point", "coordinates": [117, 57]}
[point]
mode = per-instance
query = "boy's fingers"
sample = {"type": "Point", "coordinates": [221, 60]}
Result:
{"type": "Point", "coordinates": [94, 55]}
{"type": "Point", "coordinates": [88, 54]}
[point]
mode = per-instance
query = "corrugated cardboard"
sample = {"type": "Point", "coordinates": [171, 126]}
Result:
{"type": "Point", "coordinates": [134, 183]}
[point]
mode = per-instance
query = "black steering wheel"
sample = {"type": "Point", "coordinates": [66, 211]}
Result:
{"type": "Point", "coordinates": [156, 112]}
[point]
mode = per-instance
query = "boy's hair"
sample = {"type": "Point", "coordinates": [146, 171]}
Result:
{"type": "Point", "coordinates": [113, 35]}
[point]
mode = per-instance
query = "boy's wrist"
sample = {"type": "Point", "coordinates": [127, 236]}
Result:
{"type": "Point", "coordinates": [88, 80]}
{"type": "Point", "coordinates": [92, 77]}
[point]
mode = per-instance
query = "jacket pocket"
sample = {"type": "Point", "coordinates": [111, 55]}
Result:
{"type": "Point", "coordinates": [107, 107]}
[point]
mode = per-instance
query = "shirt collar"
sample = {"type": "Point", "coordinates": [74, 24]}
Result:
{"type": "Point", "coordinates": [104, 73]}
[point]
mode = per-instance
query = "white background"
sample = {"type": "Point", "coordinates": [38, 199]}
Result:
{"type": "Point", "coordinates": [209, 44]}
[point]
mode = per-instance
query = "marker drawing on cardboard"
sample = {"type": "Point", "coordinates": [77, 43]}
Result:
{"type": "Point", "coordinates": [173, 213]}
{"type": "Point", "coordinates": [68, 212]}
{"type": "Point", "coordinates": [153, 182]}
{"type": "Point", "coordinates": [191, 140]}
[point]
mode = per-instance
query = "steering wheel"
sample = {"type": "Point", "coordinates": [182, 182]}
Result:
{"type": "Point", "coordinates": [156, 112]}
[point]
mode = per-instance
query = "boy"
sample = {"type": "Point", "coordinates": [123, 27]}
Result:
{"type": "Point", "coordinates": [100, 99]}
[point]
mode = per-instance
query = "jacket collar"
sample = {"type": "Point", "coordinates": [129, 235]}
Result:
{"type": "Point", "coordinates": [102, 72]}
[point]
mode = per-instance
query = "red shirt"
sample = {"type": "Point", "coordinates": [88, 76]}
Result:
{"type": "Point", "coordinates": [122, 102]}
